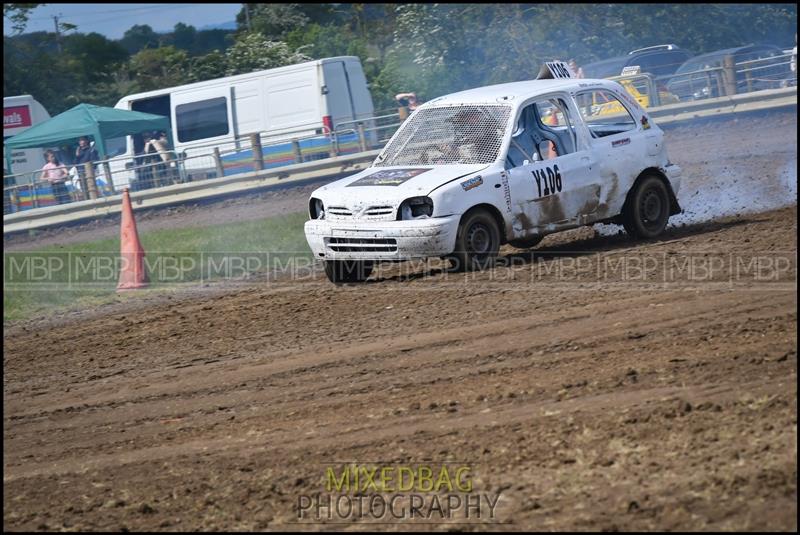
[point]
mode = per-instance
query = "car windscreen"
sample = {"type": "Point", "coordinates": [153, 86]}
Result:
{"type": "Point", "coordinates": [467, 134]}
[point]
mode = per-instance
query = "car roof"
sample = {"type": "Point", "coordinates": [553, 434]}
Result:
{"type": "Point", "coordinates": [511, 92]}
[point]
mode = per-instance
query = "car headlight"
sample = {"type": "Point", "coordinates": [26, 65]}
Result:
{"type": "Point", "coordinates": [415, 208]}
{"type": "Point", "coordinates": [316, 210]}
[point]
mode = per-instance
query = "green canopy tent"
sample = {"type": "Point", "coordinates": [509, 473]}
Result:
{"type": "Point", "coordinates": [86, 120]}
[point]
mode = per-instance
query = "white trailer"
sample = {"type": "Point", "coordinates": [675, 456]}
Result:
{"type": "Point", "coordinates": [19, 114]}
{"type": "Point", "coordinates": [283, 103]}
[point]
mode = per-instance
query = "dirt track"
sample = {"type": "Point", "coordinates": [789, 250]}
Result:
{"type": "Point", "coordinates": [590, 400]}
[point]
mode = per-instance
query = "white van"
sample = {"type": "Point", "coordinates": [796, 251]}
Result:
{"type": "Point", "coordinates": [295, 101]}
{"type": "Point", "coordinates": [19, 114]}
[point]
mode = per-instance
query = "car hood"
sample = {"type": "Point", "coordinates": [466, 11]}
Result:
{"type": "Point", "coordinates": [390, 185]}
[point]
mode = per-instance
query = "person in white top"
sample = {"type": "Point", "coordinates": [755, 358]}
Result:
{"type": "Point", "coordinates": [575, 69]}
{"type": "Point", "coordinates": [160, 145]}
{"type": "Point", "coordinates": [55, 173]}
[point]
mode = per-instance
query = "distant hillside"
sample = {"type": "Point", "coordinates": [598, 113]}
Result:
{"type": "Point", "coordinates": [230, 25]}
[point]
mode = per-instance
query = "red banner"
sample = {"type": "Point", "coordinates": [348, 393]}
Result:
{"type": "Point", "coordinates": [16, 117]}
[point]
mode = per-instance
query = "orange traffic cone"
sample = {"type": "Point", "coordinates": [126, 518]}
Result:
{"type": "Point", "coordinates": [132, 275]}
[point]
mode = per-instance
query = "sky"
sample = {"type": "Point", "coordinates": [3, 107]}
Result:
{"type": "Point", "coordinates": [112, 20]}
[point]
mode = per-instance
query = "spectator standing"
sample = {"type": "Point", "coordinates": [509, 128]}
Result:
{"type": "Point", "coordinates": [408, 103]}
{"type": "Point", "coordinates": [577, 70]}
{"type": "Point", "coordinates": [55, 173]}
{"type": "Point", "coordinates": [146, 163]}
{"type": "Point", "coordinates": [160, 145]}
{"type": "Point", "coordinates": [85, 153]}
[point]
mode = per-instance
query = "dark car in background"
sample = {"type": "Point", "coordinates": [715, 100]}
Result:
{"type": "Point", "coordinates": [757, 67]}
{"type": "Point", "coordinates": [660, 60]}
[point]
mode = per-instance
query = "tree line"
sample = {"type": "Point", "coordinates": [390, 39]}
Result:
{"type": "Point", "coordinates": [432, 49]}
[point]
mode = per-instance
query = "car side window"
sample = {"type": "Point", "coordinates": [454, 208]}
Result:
{"type": "Point", "coordinates": [603, 113]}
{"type": "Point", "coordinates": [544, 131]}
{"type": "Point", "coordinates": [553, 116]}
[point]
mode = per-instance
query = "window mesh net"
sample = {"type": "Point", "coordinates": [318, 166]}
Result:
{"type": "Point", "coordinates": [451, 135]}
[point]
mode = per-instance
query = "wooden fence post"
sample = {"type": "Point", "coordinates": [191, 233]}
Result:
{"type": "Point", "coordinates": [109, 180]}
{"type": "Point", "coordinates": [218, 163]}
{"type": "Point", "coordinates": [334, 145]}
{"type": "Point", "coordinates": [258, 157]}
{"type": "Point", "coordinates": [729, 75]}
{"type": "Point", "coordinates": [362, 137]}
{"type": "Point", "coordinates": [34, 196]}
{"type": "Point", "coordinates": [298, 155]}
{"type": "Point", "coordinates": [91, 184]}
{"type": "Point", "coordinates": [179, 164]}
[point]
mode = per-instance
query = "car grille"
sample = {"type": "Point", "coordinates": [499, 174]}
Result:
{"type": "Point", "coordinates": [340, 211]}
{"type": "Point", "coordinates": [373, 213]}
{"type": "Point", "coordinates": [361, 245]}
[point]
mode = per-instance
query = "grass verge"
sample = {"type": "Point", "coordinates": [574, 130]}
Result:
{"type": "Point", "coordinates": [62, 278]}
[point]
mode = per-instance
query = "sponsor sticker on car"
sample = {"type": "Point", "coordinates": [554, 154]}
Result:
{"type": "Point", "coordinates": [389, 177]}
{"type": "Point", "coordinates": [472, 183]}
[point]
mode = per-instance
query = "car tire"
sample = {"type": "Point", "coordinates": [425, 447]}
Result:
{"type": "Point", "coordinates": [477, 242]}
{"type": "Point", "coordinates": [526, 243]}
{"type": "Point", "coordinates": [343, 271]}
{"type": "Point", "coordinates": [647, 211]}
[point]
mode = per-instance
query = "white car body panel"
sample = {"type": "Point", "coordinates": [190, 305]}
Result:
{"type": "Point", "coordinates": [361, 212]}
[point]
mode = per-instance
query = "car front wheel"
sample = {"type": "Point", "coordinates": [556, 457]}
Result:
{"type": "Point", "coordinates": [477, 242]}
{"type": "Point", "coordinates": [647, 210]}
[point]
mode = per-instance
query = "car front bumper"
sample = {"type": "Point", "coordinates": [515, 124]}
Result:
{"type": "Point", "coordinates": [382, 240]}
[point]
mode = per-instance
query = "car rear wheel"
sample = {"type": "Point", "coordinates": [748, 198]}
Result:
{"type": "Point", "coordinates": [477, 242]}
{"type": "Point", "coordinates": [341, 271]}
{"type": "Point", "coordinates": [647, 211]}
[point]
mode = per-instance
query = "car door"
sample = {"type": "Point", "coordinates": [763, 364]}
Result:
{"type": "Point", "coordinates": [552, 177]}
{"type": "Point", "coordinates": [619, 141]}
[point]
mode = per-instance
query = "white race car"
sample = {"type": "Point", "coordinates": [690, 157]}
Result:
{"type": "Point", "coordinates": [507, 163]}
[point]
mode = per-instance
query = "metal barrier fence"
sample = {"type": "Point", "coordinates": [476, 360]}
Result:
{"type": "Point", "coordinates": [245, 154]}
{"type": "Point", "coordinates": [33, 190]}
